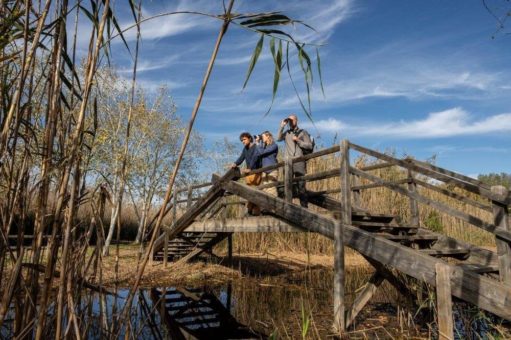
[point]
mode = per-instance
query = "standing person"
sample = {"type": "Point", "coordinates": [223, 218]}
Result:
{"type": "Point", "coordinates": [297, 141]}
{"type": "Point", "coordinates": [250, 154]}
{"type": "Point", "coordinates": [268, 151]}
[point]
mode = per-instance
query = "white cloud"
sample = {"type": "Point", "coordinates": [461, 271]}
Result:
{"type": "Point", "coordinates": [448, 123]}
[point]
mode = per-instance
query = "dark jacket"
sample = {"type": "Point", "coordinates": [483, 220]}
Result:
{"type": "Point", "coordinates": [251, 157]}
{"type": "Point", "coordinates": [268, 154]}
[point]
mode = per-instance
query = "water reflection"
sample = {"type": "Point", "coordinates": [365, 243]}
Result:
{"type": "Point", "coordinates": [199, 314]}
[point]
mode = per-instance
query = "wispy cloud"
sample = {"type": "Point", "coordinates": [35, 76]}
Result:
{"type": "Point", "coordinates": [448, 123]}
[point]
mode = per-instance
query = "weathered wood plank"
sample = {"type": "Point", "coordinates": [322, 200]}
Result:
{"type": "Point", "coordinates": [501, 220]}
{"type": "Point", "coordinates": [363, 297]}
{"type": "Point", "coordinates": [444, 302]}
{"type": "Point", "coordinates": [484, 292]}
{"type": "Point", "coordinates": [377, 185]}
{"type": "Point", "coordinates": [505, 234]}
{"type": "Point", "coordinates": [263, 224]}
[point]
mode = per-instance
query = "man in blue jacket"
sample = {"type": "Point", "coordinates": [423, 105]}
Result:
{"type": "Point", "coordinates": [250, 154]}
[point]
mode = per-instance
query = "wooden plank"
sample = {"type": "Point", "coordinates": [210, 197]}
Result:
{"type": "Point", "coordinates": [502, 233]}
{"type": "Point", "coordinates": [481, 291]}
{"type": "Point", "coordinates": [363, 297]}
{"type": "Point", "coordinates": [501, 220]}
{"type": "Point", "coordinates": [479, 268]}
{"type": "Point", "coordinates": [260, 224]}
{"type": "Point", "coordinates": [446, 252]}
{"type": "Point", "coordinates": [454, 195]}
{"type": "Point", "coordinates": [453, 174]}
{"type": "Point", "coordinates": [288, 180]}
{"type": "Point", "coordinates": [378, 185]}
{"type": "Point", "coordinates": [376, 166]}
{"type": "Point", "coordinates": [441, 176]}
{"type": "Point", "coordinates": [444, 302]}
{"type": "Point", "coordinates": [339, 304]}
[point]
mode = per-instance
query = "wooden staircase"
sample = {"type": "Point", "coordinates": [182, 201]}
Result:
{"type": "Point", "coordinates": [188, 245]}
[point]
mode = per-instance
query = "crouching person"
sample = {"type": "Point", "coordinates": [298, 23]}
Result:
{"type": "Point", "coordinates": [250, 154]}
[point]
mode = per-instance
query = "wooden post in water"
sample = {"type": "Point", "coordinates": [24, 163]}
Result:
{"type": "Point", "coordinates": [414, 206]}
{"type": "Point", "coordinates": [288, 179]}
{"type": "Point", "coordinates": [444, 302]}
{"type": "Point", "coordinates": [339, 305]}
{"type": "Point", "coordinates": [501, 220]}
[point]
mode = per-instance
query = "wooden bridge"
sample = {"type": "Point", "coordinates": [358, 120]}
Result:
{"type": "Point", "coordinates": [473, 274]}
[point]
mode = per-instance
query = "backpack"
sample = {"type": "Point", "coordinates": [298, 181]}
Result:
{"type": "Point", "coordinates": [313, 142]}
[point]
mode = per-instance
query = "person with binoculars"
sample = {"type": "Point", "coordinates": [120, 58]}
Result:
{"type": "Point", "coordinates": [268, 151]}
{"type": "Point", "coordinates": [298, 143]}
{"type": "Point", "coordinates": [250, 154]}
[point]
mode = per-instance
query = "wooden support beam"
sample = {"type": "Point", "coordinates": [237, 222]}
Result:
{"type": "Point", "coordinates": [501, 220]}
{"type": "Point", "coordinates": [288, 180]}
{"type": "Point", "coordinates": [444, 302]}
{"type": "Point", "coordinates": [484, 292]}
{"type": "Point", "coordinates": [363, 297]}
{"type": "Point", "coordinates": [339, 303]}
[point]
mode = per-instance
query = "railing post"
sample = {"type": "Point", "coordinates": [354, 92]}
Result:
{"type": "Point", "coordinates": [288, 179]}
{"type": "Point", "coordinates": [339, 303]}
{"type": "Point", "coordinates": [501, 220]}
{"type": "Point", "coordinates": [444, 302]}
{"type": "Point", "coordinates": [414, 206]}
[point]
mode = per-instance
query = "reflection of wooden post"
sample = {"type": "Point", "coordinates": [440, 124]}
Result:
{"type": "Point", "coordinates": [414, 206]}
{"type": "Point", "coordinates": [444, 302]}
{"type": "Point", "coordinates": [288, 179]}
{"type": "Point", "coordinates": [501, 220]}
{"type": "Point", "coordinates": [339, 306]}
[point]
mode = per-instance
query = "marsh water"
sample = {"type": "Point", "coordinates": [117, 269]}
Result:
{"type": "Point", "coordinates": [280, 306]}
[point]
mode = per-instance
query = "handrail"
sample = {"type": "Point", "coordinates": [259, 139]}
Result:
{"type": "Point", "coordinates": [436, 173]}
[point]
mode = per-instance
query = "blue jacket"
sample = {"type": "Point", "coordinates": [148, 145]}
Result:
{"type": "Point", "coordinates": [268, 154]}
{"type": "Point", "coordinates": [251, 157]}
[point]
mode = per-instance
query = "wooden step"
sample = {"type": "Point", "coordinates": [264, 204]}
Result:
{"type": "Point", "coordinates": [458, 253]}
{"type": "Point", "coordinates": [371, 224]}
{"type": "Point", "coordinates": [479, 268]}
{"type": "Point", "coordinates": [359, 216]}
{"type": "Point", "coordinates": [411, 238]}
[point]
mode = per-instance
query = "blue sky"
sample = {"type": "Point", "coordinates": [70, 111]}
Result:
{"type": "Point", "coordinates": [421, 78]}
